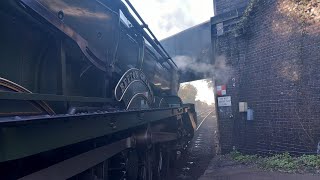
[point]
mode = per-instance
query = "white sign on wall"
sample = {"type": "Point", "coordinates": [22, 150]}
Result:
{"type": "Point", "coordinates": [219, 27]}
{"type": "Point", "coordinates": [224, 101]}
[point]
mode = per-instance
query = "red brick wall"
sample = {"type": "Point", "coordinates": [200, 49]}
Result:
{"type": "Point", "coordinates": [222, 6]}
{"type": "Point", "coordinates": [276, 70]}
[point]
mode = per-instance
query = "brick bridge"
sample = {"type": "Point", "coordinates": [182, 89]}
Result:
{"type": "Point", "coordinates": [272, 54]}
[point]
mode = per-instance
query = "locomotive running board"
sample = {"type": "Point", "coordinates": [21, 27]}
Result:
{"type": "Point", "coordinates": [73, 166]}
{"type": "Point", "coordinates": [26, 136]}
{"type": "Point", "coordinates": [50, 97]}
{"type": "Point", "coordinates": [80, 163]}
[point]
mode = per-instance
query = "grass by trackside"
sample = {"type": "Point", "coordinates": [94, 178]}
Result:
{"type": "Point", "coordinates": [280, 162]}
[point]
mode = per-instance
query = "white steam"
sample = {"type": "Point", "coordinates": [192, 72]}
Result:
{"type": "Point", "coordinates": [220, 71]}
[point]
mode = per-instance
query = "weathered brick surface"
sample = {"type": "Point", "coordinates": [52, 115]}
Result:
{"type": "Point", "coordinates": [276, 70]}
{"type": "Point", "coordinates": [222, 6]}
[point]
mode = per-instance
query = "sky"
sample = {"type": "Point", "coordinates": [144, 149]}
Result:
{"type": "Point", "coordinates": [168, 17]}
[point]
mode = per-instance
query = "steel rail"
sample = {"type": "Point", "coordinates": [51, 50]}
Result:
{"type": "Point", "coordinates": [203, 121]}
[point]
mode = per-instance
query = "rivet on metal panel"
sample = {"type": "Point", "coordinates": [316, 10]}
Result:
{"type": "Point", "coordinates": [99, 35]}
{"type": "Point", "coordinates": [112, 123]}
{"type": "Point", "coordinates": [140, 115]}
{"type": "Point", "coordinates": [60, 15]}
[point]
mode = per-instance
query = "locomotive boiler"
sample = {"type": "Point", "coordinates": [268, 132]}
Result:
{"type": "Point", "coordinates": [86, 92]}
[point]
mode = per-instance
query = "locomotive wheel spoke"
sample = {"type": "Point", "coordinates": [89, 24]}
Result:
{"type": "Point", "coordinates": [162, 168]}
{"type": "Point", "coordinates": [155, 164]}
{"type": "Point", "coordinates": [132, 165]}
{"type": "Point", "coordinates": [146, 168]}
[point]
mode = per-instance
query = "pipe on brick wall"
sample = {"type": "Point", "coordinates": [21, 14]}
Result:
{"type": "Point", "coordinates": [214, 8]}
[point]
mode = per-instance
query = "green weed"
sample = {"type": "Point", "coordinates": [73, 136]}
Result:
{"type": "Point", "coordinates": [280, 162]}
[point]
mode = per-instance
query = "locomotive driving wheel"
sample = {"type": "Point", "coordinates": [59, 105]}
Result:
{"type": "Point", "coordinates": [21, 107]}
{"type": "Point", "coordinates": [132, 165]}
{"type": "Point", "coordinates": [154, 164]}
{"type": "Point", "coordinates": [162, 167]}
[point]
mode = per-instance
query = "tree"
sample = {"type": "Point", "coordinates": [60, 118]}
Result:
{"type": "Point", "coordinates": [209, 82]}
{"type": "Point", "coordinates": [203, 107]}
{"type": "Point", "coordinates": [188, 93]}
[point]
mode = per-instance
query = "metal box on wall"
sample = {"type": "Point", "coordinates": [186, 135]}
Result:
{"type": "Point", "coordinates": [250, 114]}
{"type": "Point", "coordinates": [243, 106]}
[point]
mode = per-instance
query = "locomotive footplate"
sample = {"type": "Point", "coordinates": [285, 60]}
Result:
{"type": "Point", "coordinates": [25, 136]}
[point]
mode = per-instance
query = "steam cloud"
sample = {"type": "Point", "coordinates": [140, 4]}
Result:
{"type": "Point", "coordinates": [220, 71]}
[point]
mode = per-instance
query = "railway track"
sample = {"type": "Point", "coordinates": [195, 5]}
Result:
{"type": "Point", "coordinates": [199, 125]}
{"type": "Point", "coordinates": [200, 150]}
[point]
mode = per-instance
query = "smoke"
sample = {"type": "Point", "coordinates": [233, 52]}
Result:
{"type": "Point", "coordinates": [220, 71]}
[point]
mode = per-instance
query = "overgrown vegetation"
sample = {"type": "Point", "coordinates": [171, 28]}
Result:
{"type": "Point", "coordinates": [243, 23]}
{"type": "Point", "coordinates": [305, 12]}
{"type": "Point", "coordinates": [281, 162]}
